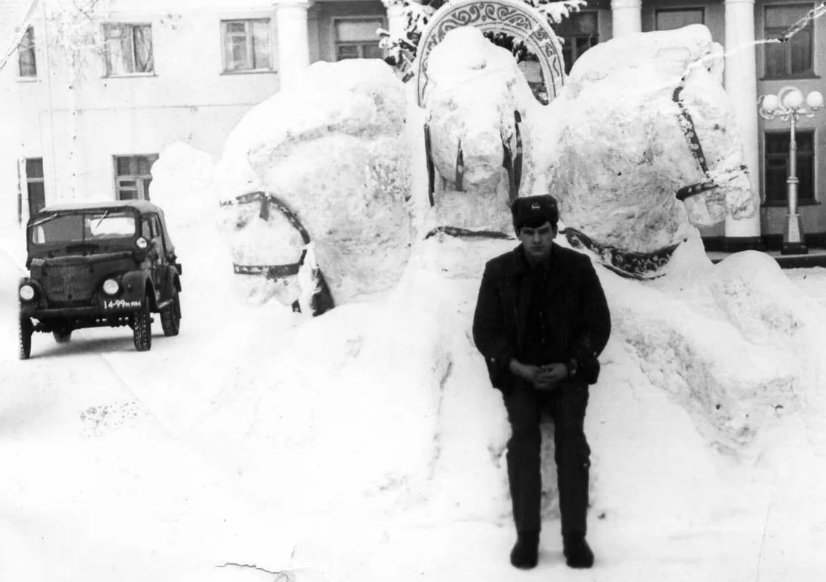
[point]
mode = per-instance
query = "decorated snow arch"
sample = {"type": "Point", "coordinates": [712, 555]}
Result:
{"type": "Point", "coordinates": [510, 16]}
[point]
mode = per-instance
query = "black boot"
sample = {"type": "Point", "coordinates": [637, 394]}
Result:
{"type": "Point", "coordinates": [525, 553]}
{"type": "Point", "coordinates": [577, 552]}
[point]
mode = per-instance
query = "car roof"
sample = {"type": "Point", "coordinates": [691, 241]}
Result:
{"type": "Point", "coordinates": [139, 205]}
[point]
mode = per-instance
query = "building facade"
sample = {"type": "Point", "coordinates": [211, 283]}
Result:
{"type": "Point", "coordinates": [90, 101]}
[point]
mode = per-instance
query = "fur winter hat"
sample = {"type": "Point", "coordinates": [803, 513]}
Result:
{"type": "Point", "coordinates": [534, 211]}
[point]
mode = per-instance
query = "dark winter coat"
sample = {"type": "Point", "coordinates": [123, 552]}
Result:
{"type": "Point", "coordinates": [575, 308]}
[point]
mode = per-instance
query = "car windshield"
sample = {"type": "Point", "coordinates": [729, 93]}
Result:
{"type": "Point", "coordinates": [84, 227]}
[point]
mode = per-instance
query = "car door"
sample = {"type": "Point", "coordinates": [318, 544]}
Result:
{"type": "Point", "coordinates": [149, 230]}
{"type": "Point", "coordinates": [161, 263]}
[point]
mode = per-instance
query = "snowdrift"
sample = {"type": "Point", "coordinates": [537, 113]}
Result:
{"type": "Point", "coordinates": [382, 409]}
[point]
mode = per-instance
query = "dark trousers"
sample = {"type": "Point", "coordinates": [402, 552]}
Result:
{"type": "Point", "coordinates": [566, 405]}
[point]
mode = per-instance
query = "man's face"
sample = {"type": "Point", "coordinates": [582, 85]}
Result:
{"type": "Point", "coordinates": [538, 241]}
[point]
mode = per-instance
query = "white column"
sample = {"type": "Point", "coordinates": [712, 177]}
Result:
{"type": "Point", "coordinates": [741, 86]}
{"type": "Point", "coordinates": [312, 25]}
{"type": "Point", "coordinates": [396, 19]}
{"type": "Point", "coordinates": [293, 40]}
{"type": "Point", "coordinates": [627, 17]}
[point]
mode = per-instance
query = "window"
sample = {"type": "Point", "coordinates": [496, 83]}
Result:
{"type": "Point", "coordinates": [357, 39]}
{"type": "Point", "coordinates": [133, 176]}
{"type": "Point", "coordinates": [777, 165]}
{"type": "Point", "coordinates": [58, 228]}
{"type": "Point", "coordinates": [246, 45]}
{"type": "Point", "coordinates": [83, 226]}
{"type": "Point", "coordinates": [25, 55]}
{"type": "Point", "coordinates": [35, 185]}
{"type": "Point", "coordinates": [793, 57]}
{"type": "Point", "coordinates": [128, 49]}
{"type": "Point", "coordinates": [678, 18]}
{"type": "Point", "coordinates": [578, 32]}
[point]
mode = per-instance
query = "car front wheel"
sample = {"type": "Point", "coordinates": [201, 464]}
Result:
{"type": "Point", "coordinates": [62, 336]}
{"type": "Point", "coordinates": [25, 331]}
{"type": "Point", "coordinates": [142, 327]}
{"type": "Point", "coordinates": [171, 315]}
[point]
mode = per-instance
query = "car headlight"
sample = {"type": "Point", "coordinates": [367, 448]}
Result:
{"type": "Point", "coordinates": [111, 287]}
{"type": "Point", "coordinates": [141, 243]}
{"type": "Point", "coordinates": [26, 292]}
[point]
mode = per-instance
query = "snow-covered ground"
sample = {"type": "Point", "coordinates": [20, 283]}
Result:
{"type": "Point", "coordinates": [366, 444]}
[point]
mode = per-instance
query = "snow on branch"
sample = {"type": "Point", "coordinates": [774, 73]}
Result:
{"type": "Point", "coordinates": [401, 50]}
{"type": "Point", "coordinates": [556, 12]}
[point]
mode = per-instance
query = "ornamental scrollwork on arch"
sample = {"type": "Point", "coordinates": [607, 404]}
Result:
{"type": "Point", "coordinates": [509, 16]}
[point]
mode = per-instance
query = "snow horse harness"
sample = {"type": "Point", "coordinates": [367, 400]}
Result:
{"type": "Point", "coordinates": [323, 299]}
{"type": "Point", "coordinates": [645, 265]}
{"type": "Point", "coordinates": [511, 161]}
{"type": "Point", "coordinates": [628, 264]}
{"type": "Point", "coordinates": [690, 132]}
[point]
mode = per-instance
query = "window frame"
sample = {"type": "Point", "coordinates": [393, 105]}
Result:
{"type": "Point", "coordinates": [569, 39]}
{"type": "Point", "coordinates": [802, 200]}
{"type": "Point", "coordinates": [378, 18]}
{"type": "Point", "coordinates": [142, 181]}
{"type": "Point", "coordinates": [658, 11]}
{"type": "Point", "coordinates": [132, 26]}
{"type": "Point", "coordinates": [772, 32]}
{"type": "Point", "coordinates": [250, 42]}
{"type": "Point", "coordinates": [30, 47]}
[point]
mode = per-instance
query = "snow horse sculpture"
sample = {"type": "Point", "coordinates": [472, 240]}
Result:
{"type": "Point", "coordinates": [639, 146]}
{"type": "Point", "coordinates": [479, 145]}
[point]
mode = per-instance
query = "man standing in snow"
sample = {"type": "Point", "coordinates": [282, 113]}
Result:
{"type": "Point", "coordinates": [541, 321]}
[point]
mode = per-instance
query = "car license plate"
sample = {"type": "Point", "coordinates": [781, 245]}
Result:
{"type": "Point", "coordinates": [120, 304]}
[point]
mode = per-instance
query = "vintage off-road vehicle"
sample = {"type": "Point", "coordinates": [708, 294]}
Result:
{"type": "Point", "coordinates": [99, 264]}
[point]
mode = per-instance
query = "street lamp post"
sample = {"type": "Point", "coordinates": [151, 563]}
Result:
{"type": "Point", "coordinates": [789, 105]}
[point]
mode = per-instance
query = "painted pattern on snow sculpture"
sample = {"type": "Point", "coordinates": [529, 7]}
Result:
{"type": "Point", "coordinates": [627, 264]}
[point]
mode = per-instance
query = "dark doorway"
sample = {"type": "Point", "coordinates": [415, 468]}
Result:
{"type": "Point", "coordinates": [35, 185]}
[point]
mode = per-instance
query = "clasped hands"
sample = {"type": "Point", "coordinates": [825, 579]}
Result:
{"type": "Point", "coordinates": [545, 377]}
